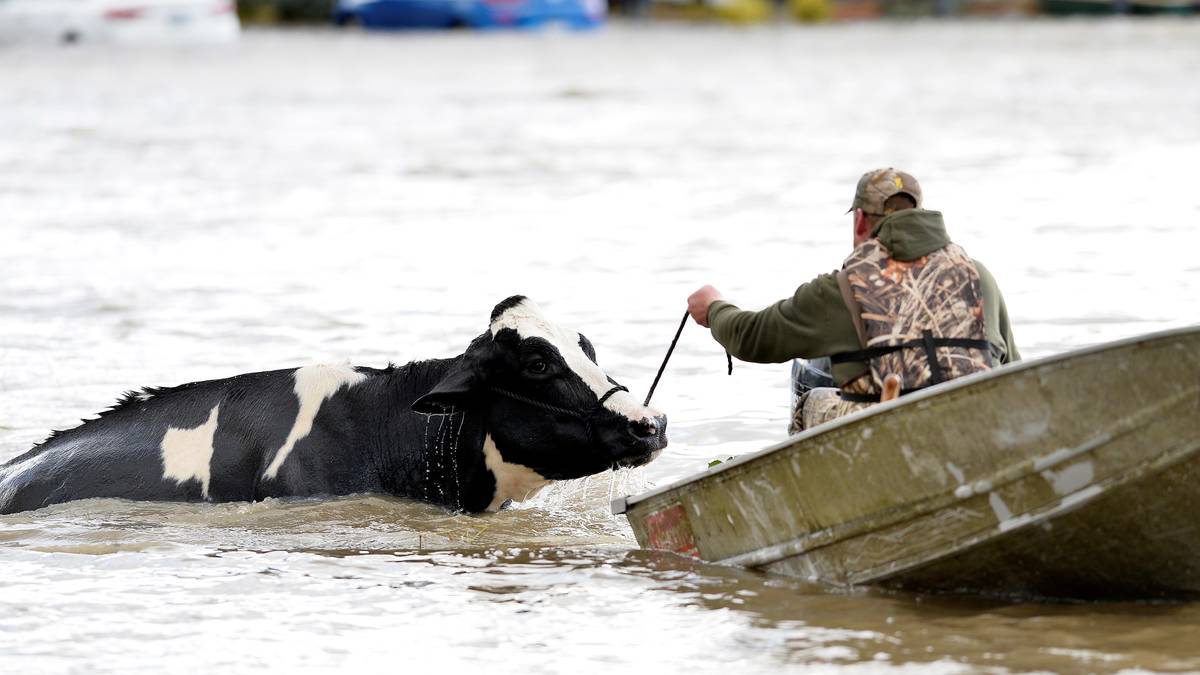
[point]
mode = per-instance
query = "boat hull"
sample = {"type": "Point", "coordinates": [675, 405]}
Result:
{"type": "Point", "coordinates": [1138, 540]}
{"type": "Point", "coordinates": [1068, 477]}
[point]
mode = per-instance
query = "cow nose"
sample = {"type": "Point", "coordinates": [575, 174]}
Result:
{"type": "Point", "coordinates": [645, 428]}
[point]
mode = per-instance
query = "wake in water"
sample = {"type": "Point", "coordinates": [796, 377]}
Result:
{"type": "Point", "coordinates": [566, 514]}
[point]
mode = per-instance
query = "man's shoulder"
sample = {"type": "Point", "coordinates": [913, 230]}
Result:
{"type": "Point", "coordinates": [820, 285]}
{"type": "Point", "coordinates": [984, 273]}
{"type": "Point", "coordinates": [820, 297]}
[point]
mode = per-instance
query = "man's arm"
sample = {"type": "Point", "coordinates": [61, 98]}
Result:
{"type": "Point", "coordinates": [813, 322]}
{"type": "Point", "coordinates": [1006, 330]}
{"type": "Point", "coordinates": [996, 315]}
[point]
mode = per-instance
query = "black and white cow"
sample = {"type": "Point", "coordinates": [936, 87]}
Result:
{"type": "Point", "coordinates": [524, 405]}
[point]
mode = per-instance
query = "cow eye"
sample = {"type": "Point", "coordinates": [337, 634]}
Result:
{"type": "Point", "coordinates": [537, 367]}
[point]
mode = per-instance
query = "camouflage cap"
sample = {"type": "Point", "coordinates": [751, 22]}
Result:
{"type": "Point", "coordinates": [876, 186]}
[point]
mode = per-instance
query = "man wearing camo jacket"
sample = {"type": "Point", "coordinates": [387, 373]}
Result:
{"type": "Point", "coordinates": [907, 302]}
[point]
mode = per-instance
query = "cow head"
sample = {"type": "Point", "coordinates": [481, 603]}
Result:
{"type": "Point", "coordinates": [548, 405]}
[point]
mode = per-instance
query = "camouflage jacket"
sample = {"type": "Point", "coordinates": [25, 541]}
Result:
{"type": "Point", "coordinates": [816, 322]}
{"type": "Point", "coordinates": [928, 310]}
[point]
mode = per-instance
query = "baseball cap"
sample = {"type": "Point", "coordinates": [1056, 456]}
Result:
{"type": "Point", "coordinates": [876, 186]}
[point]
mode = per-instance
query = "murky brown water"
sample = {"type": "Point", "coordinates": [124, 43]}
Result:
{"type": "Point", "coordinates": [168, 216]}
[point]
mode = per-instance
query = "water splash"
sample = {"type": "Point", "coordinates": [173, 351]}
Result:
{"type": "Point", "coordinates": [591, 493]}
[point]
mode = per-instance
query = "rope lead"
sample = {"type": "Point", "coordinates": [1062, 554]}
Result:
{"type": "Point", "coordinates": [671, 350]}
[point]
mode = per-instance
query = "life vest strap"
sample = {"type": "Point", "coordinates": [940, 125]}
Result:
{"type": "Point", "coordinates": [871, 398]}
{"type": "Point", "coordinates": [923, 343]}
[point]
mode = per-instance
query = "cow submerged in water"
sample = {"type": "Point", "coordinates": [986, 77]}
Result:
{"type": "Point", "coordinates": [524, 405]}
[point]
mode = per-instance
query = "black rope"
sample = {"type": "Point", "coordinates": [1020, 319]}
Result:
{"type": "Point", "coordinates": [671, 350]}
{"type": "Point", "coordinates": [538, 404]}
{"type": "Point", "coordinates": [610, 392]}
{"type": "Point", "coordinates": [585, 416]}
{"type": "Point", "coordinates": [577, 414]}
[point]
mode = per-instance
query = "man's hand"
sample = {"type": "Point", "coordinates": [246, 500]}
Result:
{"type": "Point", "coordinates": [699, 302]}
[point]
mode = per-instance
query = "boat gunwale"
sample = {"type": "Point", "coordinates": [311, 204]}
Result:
{"type": "Point", "coordinates": [624, 504]}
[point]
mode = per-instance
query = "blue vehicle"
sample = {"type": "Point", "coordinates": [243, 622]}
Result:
{"type": "Point", "coordinates": [405, 14]}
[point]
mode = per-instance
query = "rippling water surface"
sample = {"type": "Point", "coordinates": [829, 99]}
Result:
{"type": "Point", "coordinates": [170, 216]}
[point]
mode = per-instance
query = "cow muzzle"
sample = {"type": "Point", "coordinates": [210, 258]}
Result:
{"type": "Point", "coordinates": [646, 439]}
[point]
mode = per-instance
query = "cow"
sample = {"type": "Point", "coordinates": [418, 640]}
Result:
{"type": "Point", "coordinates": [524, 405]}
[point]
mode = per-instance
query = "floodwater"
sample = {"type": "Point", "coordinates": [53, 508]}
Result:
{"type": "Point", "coordinates": [176, 215]}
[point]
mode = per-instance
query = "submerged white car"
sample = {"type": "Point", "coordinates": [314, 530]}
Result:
{"type": "Point", "coordinates": [135, 21]}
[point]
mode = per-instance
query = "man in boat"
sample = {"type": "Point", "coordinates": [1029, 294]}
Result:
{"type": "Point", "coordinates": [908, 309]}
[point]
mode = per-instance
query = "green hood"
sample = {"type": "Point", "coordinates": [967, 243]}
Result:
{"type": "Point", "coordinates": [912, 233]}
{"type": "Point", "coordinates": [815, 320]}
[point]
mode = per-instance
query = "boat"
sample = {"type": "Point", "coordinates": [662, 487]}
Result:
{"type": "Point", "coordinates": [482, 14]}
{"type": "Point", "coordinates": [152, 22]}
{"type": "Point", "coordinates": [1072, 477]}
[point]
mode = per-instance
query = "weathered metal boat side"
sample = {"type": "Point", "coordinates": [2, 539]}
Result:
{"type": "Point", "coordinates": [1076, 475]}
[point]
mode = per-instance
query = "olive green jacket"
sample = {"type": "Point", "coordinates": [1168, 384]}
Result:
{"type": "Point", "coordinates": [815, 321]}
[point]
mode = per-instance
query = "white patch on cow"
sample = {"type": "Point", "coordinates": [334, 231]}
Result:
{"type": "Point", "coordinates": [314, 385]}
{"type": "Point", "coordinates": [513, 481]}
{"type": "Point", "coordinates": [187, 453]}
{"type": "Point", "coordinates": [527, 320]}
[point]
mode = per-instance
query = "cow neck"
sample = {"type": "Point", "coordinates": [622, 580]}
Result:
{"type": "Point", "coordinates": [432, 458]}
{"type": "Point", "coordinates": [451, 469]}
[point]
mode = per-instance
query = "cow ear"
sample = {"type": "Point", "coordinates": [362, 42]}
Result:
{"type": "Point", "coordinates": [451, 393]}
